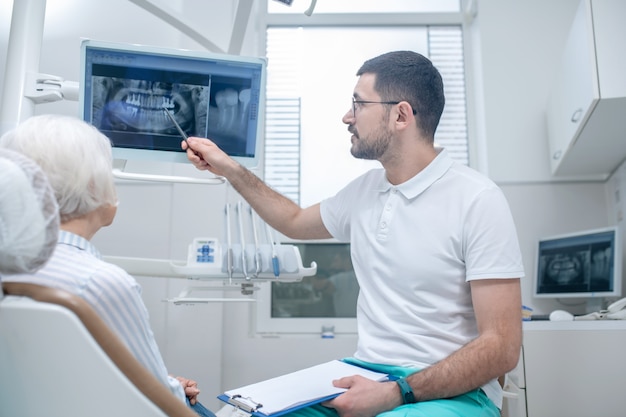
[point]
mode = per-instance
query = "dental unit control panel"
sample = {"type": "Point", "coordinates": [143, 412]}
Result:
{"type": "Point", "coordinates": [208, 258]}
{"type": "Point", "coordinates": [248, 255]}
{"type": "Point", "coordinates": [244, 256]}
{"type": "Point", "coordinates": [205, 251]}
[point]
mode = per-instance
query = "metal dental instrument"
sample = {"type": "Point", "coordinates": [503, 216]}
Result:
{"type": "Point", "coordinates": [257, 251]}
{"type": "Point", "coordinates": [244, 266]}
{"type": "Point", "coordinates": [275, 263]}
{"type": "Point", "coordinates": [229, 243]}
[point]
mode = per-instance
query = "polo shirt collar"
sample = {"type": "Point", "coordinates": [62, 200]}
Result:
{"type": "Point", "coordinates": [424, 179]}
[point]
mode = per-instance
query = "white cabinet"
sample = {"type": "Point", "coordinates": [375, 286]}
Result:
{"type": "Point", "coordinates": [575, 368]}
{"type": "Point", "coordinates": [586, 112]}
{"type": "Point", "coordinates": [514, 391]}
{"type": "Point", "coordinates": [514, 401]}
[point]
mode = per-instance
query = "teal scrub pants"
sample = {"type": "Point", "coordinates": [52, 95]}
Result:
{"type": "Point", "coordinates": [474, 403]}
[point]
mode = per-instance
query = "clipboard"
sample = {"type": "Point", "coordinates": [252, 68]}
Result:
{"type": "Point", "coordinates": [284, 394]}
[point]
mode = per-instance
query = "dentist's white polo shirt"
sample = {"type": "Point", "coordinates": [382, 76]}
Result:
{"type": "Point", "coordinates": [414, 248]}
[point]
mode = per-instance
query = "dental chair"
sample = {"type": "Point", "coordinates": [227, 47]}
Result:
{"type": "Point", "coordinates": [59, 359]}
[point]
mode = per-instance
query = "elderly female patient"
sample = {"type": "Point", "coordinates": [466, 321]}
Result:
{"type": "Point", "coordinates": [77, 159]}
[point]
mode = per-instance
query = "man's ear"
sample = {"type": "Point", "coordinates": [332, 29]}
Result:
{"type": "Point", "coordinates": [405, 113]}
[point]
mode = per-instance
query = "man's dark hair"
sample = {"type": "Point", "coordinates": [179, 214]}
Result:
{"type": "Point", "coordinates": [409, 76]}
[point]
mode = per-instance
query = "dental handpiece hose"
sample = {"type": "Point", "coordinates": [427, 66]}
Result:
{"type": "Point", "coordinates": [275, 263]}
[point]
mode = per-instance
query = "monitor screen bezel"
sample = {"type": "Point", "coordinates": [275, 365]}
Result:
{"type": "Point", "coordinates": [265, 323]}
{"type": "Point", "coordinates": [583, 234]}
{"type": "Point", "coordinates": [174, 156]}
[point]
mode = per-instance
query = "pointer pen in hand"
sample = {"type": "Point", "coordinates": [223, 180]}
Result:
{"type": "Point", "coordinates": [180, 129]}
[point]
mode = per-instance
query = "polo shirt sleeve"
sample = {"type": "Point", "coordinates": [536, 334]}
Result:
{"type": "Point", "coordinates": [335, 212]}
{"type": "Point", "coordinates": [490, 238]}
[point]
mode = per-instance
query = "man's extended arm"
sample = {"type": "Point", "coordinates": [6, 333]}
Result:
{"type": "Point", "coordinates": [278, 211]}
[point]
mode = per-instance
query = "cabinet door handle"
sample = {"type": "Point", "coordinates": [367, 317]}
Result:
{"type": "Point", "coordinates": [576, 116]}
{"type": "Point", "coordinates": [509, 394]}
{"type": "Point", "coordinates": [556, 155]}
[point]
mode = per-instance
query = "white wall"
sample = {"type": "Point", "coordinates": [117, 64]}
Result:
{"type": "Point", "coordinates": [521, 43]}
{"type": "Point", "coordinates": [517, 43]}
{"type": "Point", "coordinates": [521, 47]}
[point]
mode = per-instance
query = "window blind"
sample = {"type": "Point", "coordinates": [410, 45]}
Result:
{"type": "Point", "coordinates": [283, 107]}
{"type": "Point", "coordinates": [445, 45]}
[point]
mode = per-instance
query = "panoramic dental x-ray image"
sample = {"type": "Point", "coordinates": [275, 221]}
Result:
{"type": "Point", "coordinates": [129, 107]}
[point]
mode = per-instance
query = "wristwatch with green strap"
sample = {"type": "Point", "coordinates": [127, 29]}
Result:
{"type": "Point", "coordinates": [407, 392]}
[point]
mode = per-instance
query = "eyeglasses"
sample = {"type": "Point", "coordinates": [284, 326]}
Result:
{"type": "Point", "coordinates": [355, 102]}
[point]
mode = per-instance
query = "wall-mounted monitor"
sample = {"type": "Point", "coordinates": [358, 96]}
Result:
{"type": "Point", "coordinates": [584, 264]}
{"type": "Point", "coordinates": [124, 89]}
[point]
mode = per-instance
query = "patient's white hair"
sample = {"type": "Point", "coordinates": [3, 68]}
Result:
{"type": "Point", "coordinates": [29, 215]}
{"type": "Point", "coordinates": [75, 156]}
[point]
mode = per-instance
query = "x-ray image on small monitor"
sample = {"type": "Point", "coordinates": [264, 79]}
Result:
{"type": "Point", "coordinates": [125, 89]}
{"type": "Point", "coordinates": [582, 264]}
{"type": "Point", "coordinates": [326, 299]}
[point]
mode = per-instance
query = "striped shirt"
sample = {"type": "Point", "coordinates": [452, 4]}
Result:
{"type": "Point", "coordinates": [76, 266]}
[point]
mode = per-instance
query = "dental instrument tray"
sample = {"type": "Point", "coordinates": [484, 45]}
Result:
{"type": "Point", "coordinates": [207, 258]}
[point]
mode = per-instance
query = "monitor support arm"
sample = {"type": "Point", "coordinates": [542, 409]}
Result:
{"type": "Point", "coordinates": [120, 164]}
{"type": "Point", "coordinates": [177, 21]}
{"type": "Point", "coordinates": [45, 88]}
{"type": "Point", "coordinates": [24, 86]}
{"type": "Point", "coordinates": [24, 49]}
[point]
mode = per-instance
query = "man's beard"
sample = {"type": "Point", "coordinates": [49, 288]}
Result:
{"type": "Point", "coordinates": [369, 148]}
